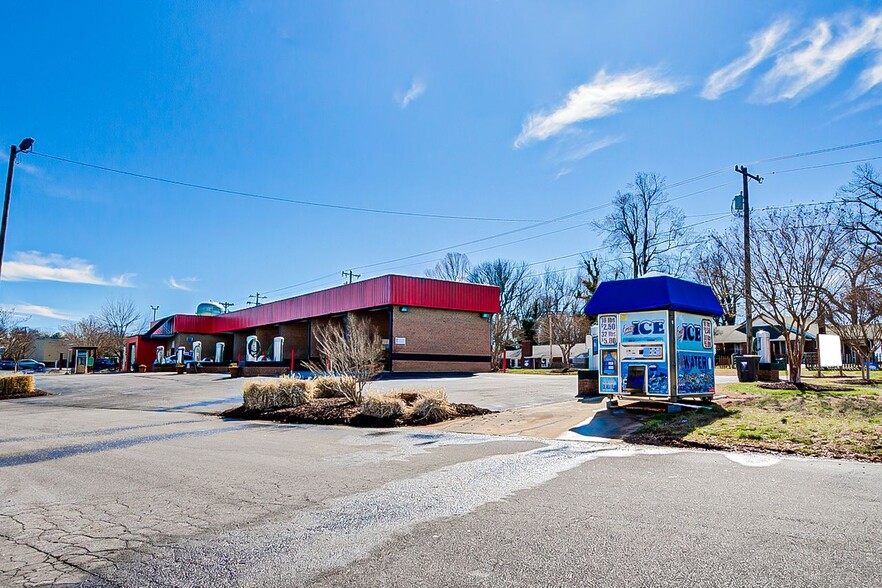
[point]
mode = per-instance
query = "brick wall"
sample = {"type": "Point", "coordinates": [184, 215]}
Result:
{"type": "Point", "coordinates": [295, 335]}
{"type": "Point", "coordinates": [436, 332]}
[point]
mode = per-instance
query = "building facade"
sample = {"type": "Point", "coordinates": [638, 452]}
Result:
{"type": "Point", "coordinates": [426, 325]}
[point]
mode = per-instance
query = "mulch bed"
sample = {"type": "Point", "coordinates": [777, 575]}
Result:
{"type": "Point", "coordinates": [23, 395]}
{"type": "Point", "coordinates": [339, 411]}
{"type": "Point", "coordinates": [804, 387]}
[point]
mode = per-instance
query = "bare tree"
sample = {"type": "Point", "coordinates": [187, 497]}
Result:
{"type": "Point", "coordinates": [588, 277]}
{"type": "Point", "coordinates": [15, 337]}
{"type": "Point", "coordinates": [516, 286]}
{"type": "Point", "coordinates": [90, 331]}
{"type": "Point", "coordinates": [794, 254]}
{"type": "Point", "coordinates": [648, 231]}
{"type": "Point", "coordinates": [352, 349]}
{"type": "Point", "coordinates": [120, 318]}
{"type": "Point", "coordinates": [563, 324]}
{"type": "Point", "coordinates": [454, 267]}
{"type": "Point", "coordinates": [863, 199]}
{"type": "Point", "coordinates": [718, 263]}
{"type": "Point", "coordinates": [854, 303]}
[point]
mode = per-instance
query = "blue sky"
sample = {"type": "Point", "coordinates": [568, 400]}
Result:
{"type": "Point", "coordinates": [516, 110]}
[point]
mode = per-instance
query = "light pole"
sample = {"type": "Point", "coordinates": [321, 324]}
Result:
{"type": "Point", "coordinates": [154, 308]}
{"type": "Point", "coordinates": [23, 147]}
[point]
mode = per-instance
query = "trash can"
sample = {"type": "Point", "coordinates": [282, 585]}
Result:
{"type": "Point", "coordinates": [747, 367]}
{"type": "Point", "coordinates": [588, 383]}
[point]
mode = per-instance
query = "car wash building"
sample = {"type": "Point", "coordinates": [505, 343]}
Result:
{"type": "Point", "coordinates": [426, 325]}
{"type": "Point", "coordinates": [655, 338]}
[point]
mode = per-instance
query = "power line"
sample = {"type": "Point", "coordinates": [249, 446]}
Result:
{"type": "Point", "coordinates": [796, 169]}
{"type": "Point", "coordinates": [279, 198]}
{"type": "Point", "coordinates": [578, 213]}
{"type": "Point", "coordinates": [817, 151]}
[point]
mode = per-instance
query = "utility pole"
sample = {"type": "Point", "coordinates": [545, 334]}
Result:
{"type": "Point", "coordinates": [350, 277]}
{"type": "Point", "coordinates": [257, 296]}
{"type": "Point", "coordinates": [154, 308]}
{"type": "Point", "coordinates": [748, 299]}
{"type": "Point", "coordinates": [227, 306]}
{"type": "Point", "coordinates": [23, 147]}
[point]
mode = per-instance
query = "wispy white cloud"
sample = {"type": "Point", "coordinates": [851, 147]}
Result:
{"type": "Point", "coordinates": [38, 310]}
{"type": "Point", "coordinates": [417, 89]}
{"type": "Point", "coordinates": [734, 74]}
{"type": "Point", "coordinates": [819, 56]}
{"type": "Point", "coordinates": [600, 97]}
{"type": "Point", "coordinates": [564, 171]}
{"type": "Point", "coordinates": [586, 149]}
{"type": "Point", "coordinates": [52, 267]}
{"type": "Point", "coordinates": [185, 284]}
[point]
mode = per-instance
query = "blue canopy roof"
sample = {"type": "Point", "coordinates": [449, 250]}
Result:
{"type": "Point", "coordinates": [653, 293]}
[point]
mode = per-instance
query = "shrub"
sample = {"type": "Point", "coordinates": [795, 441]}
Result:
{"type": "Point", "coordinates": [17, 384]}
{"type": "Point", "coordinates": [383, 406]}
{"type": "Point", "coordinates": [285, 392]}
{"type": "Point", "coordinates": [432, 406]}
{"type": "Point", "coordinates": [334, 387]}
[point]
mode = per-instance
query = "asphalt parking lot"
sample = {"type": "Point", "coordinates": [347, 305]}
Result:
{"type": "Point", "coordinates": [129, 480]}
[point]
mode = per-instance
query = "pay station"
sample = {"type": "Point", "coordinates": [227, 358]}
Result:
{"type": "Point", "coordinates": [655, 338]}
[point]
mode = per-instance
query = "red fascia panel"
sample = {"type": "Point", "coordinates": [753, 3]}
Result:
{"type": "Point", "coordinates": [382, 291]}
{"type": "Point", "coordinates": [193, 323]}
{"type": "Point", "coordinates": [429, 293]}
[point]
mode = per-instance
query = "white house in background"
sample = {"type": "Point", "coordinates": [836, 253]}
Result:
{"type": "Point", "coordinates": [537, 356]}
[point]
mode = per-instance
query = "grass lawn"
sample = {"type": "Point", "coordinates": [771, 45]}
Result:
{"type": "Point", "coordinates": [845, 424]}
{"type": "Point", "coordinates": [542, 372]}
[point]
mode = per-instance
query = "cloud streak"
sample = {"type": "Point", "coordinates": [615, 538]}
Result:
{"type": "Point", "coordinates": [733, 75]}
{"type": "Point", "coordinates": [819, 56]}
{"type": "Point", "coordinates": [417, 89]}
{"type": "Point", "coordinates": [599, 98]}
{"type": "Point", "coordinates": [35, 266]}
{"type": "Point", "coordinates": [44, 311]}
{"type": "Point", "coordinates": [182, 284]}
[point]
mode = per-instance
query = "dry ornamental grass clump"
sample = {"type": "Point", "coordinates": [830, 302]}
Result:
{"type": "Point", "coordinates": [432, 407]}
{"type": "Point", "coordinates": [285, 392]}
{"type": "Point", "coordinates": [333, 387]}
{"type": "Point", "coordinates": [17, 384]}
{"type": "Point", "coordinates": [383, 406]}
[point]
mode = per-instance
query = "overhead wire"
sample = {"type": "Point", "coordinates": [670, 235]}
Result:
{"type": "Point", "coordinates": [279, 198]}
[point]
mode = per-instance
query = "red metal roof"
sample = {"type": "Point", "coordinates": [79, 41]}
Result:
{"type": "Point", "coordinates": [382, 291]}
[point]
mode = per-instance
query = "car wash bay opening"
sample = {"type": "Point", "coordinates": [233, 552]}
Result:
{"type": "Point", "coordinates": [426, 325]}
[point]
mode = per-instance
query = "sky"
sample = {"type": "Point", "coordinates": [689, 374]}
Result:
{"type": "Point", "coordinates": [501, 115]}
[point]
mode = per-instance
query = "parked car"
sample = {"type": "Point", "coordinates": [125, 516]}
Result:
{"type": "Point", "coordinates": [106, 363]}
{"type": "Point", "coordinates": [7, 364]}
{"type": "Point", "coordinates": [172, 359]}
{"type": "Point", "coordinates": [31, 364]}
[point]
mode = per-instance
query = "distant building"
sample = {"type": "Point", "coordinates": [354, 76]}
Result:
{"type": "Point", "coordinates": [50, 350]}
{"type": "Point", "coordinates": [531, 355]}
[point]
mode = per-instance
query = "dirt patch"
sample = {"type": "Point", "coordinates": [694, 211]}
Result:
{"type": "Point", "coordinates": [339, 411]}
{"type": "Point", "coordinates": [23, 395]}
{"type": "Point", "coordinates": [858, 382]}
{"type": "Point", "coordinates": [804, 387]}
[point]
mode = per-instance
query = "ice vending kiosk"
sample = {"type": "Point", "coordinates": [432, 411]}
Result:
{"type": "Point", "coordinates": [655, 338]}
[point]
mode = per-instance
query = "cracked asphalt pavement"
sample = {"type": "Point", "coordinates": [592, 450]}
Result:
{"type": "Point", "coordinates": [129, 480]}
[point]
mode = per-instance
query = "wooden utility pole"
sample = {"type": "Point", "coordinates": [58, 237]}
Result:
{"type": "Point", "coordinates": [350, 276]}
{"type": "Point", "coordinates": [748, 299]}
{"type": "Point", "coordinates": [226, 306]}
{"type": "Point", "coordinates": [257, 296]}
